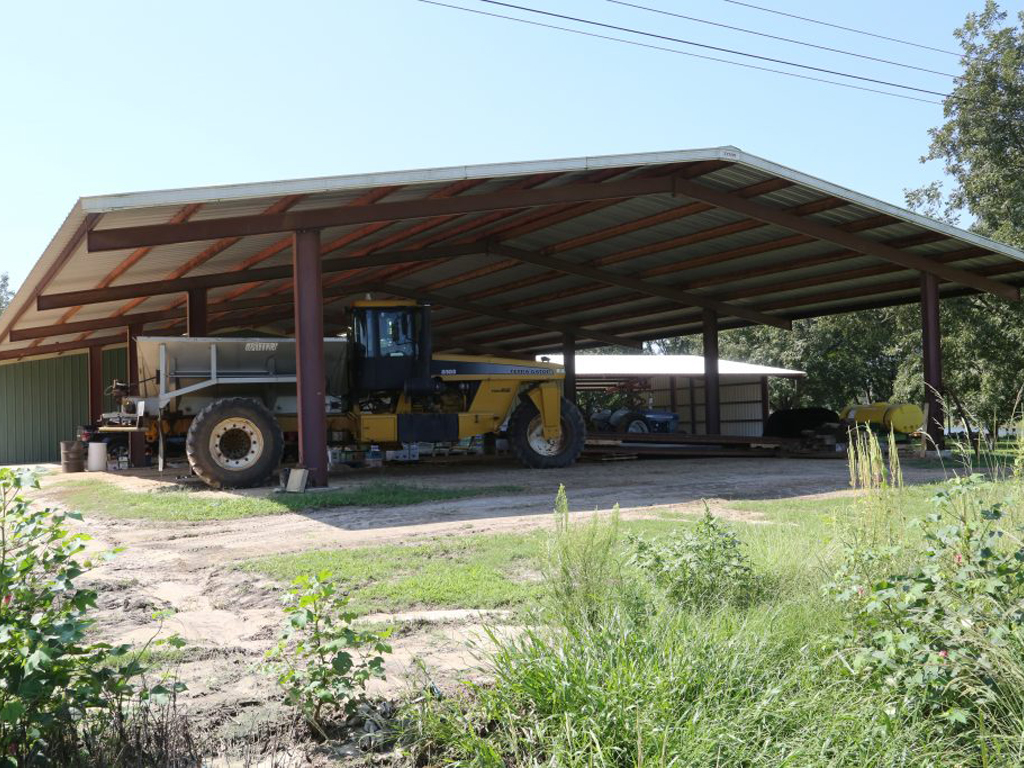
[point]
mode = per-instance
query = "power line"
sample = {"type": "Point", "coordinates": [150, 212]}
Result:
{"type": "Point", "coordinates": [705, 46]}
{"type": "Point", "coordinates": [650, 46]}
{"type": "Point", "coordinates": [845, 29]}
{"type": "Point", "coordinates": [777, 37]}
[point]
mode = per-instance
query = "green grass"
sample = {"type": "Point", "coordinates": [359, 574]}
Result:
{"type": "Point", "coordinates": [479, 571]}
{"type": "Point", "coordinates": [914, 500]}
{"type": "Point", "coordinates": [625, 677]}
{"type": "Point", "coordinates": [482, 571]}
{"type": "Point", "coordinates": [99, 497]}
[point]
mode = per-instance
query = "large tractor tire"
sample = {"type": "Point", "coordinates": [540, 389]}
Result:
{"type": "Point", "coordinates": [526, 437]}
{"type": "Point", "coordinates": [234, 443]}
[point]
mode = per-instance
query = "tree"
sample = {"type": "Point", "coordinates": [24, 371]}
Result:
{"type": "Point", "coordinates": [981, 146]}
{"type": "Point", "coordinates": [6, 294]}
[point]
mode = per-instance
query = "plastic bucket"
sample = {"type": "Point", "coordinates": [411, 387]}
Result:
{"type": "Point", "coordinates": [72, 456]}
{"type": "Point", "coordinates": [97, 457]}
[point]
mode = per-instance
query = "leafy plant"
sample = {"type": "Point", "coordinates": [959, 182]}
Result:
{"type": "Point", "coordinates": [319, 661]}
{"type": "Point", "coordinates": [699, 568]}
{"type": "Point", "coordinates": [935, 632]}
{"type": "Point", "coordinates": [55, 687]}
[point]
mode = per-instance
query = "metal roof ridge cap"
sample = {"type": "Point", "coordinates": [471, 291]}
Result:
{"type": "Point", "coordinates": [321, 184]}
{"type": "Point", "coordinates": [858, 198]}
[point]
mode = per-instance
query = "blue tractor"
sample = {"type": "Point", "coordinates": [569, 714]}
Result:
{"type": "Point", "coordinates": [635, 421]}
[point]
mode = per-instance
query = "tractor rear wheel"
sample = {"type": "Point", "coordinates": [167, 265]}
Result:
{"type": "Point", "coordinates": [633, 422]}
{"type": "Point", "coordinates": [234, 443]}
{"type": "Point", "coordinates": [527, 441]}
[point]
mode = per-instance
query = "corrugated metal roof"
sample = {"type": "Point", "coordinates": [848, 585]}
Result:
{"type": "Point", "coordinates": [667, 240]}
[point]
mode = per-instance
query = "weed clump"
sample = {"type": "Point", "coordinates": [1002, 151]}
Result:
{"type": "Point", "coordinates": [938, 633]}
{"type": "Point", "coordinates": [319, 660]}
{"type": "Point", "coordinates": [699, 568]}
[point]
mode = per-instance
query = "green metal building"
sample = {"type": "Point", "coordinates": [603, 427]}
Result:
{"type": "Point", "coordinates": [44, 401]}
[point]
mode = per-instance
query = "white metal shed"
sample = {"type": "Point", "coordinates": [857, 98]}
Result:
{"type": "Point", "coordinates": [676, 383]}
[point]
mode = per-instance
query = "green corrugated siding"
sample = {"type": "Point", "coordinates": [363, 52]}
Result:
{"type": "Point", "coordinates": [41, 403]}
{"type": "Point", "coordinates": [115, 366]}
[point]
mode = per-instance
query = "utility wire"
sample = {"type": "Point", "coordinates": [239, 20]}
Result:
{"type": "Point", "coordinates": [705, 46]}
{"type": "Point", "coordinates": [651, 46]}
{"type": "Point", "coordinates": [777, 37]}
{"type": "Point", "coordinates": [845, 29]}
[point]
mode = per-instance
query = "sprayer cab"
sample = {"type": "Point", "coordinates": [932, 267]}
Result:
{"type": "Point", "coordinates": [392, 347]}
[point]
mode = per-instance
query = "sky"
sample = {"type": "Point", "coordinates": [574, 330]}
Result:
{"type": "Point", "coordinates": [105, 97]}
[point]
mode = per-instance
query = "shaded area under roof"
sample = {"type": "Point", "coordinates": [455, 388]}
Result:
{"type": "Point", "coordinates": [513, 257]}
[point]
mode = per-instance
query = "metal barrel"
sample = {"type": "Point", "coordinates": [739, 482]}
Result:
{"type": "Point", "coordinates": [72, 456]}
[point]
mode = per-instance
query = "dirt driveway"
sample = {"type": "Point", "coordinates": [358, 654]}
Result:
{"type": "Point", "coordinates": [637, 486]}
{"type": "Point", "coordinates": [230, 617]}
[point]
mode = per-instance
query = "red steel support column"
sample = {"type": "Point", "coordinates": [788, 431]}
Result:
{"type": "Point", "coordinates": [766, 409]}
{"type": "Point", "coordinates": [693, 407]}
{"type": "Point", "coordinates": [931, 338]}
{"type": "Point", "coordinates": [309, 347]}
{"type": "Point", "coordinates": [569, 362]}
{"type": "Point", "coordinates": [196, 312]}
{"type": "Point", "coordinates": [712, 411]}
{"type": "Point", "coordinates": [136, 440]}
{"type": "Point", "coordinates": [96, 384]}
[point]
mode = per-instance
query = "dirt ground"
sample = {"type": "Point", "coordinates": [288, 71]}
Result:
{"type": "Point", "coordinates": [230, 618]}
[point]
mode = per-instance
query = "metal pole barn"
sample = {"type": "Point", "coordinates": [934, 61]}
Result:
{"type": "Point", "coordinates": [309, 347]}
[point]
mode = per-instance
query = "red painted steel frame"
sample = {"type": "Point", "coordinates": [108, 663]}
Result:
{"type": "Point", "coordinates": [712, 410]}
{"type": "Point", "coordinates": [931, 337]}
{"type": "Point", "coordinates": [197, 317]}
{"type": "Point", "coordinates": [309, 342]}
{"type": "Point", "coordinates": [569, 362]}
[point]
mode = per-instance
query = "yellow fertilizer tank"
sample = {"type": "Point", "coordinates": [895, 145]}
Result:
{"type": "Point", "coordinates": [898, 417]}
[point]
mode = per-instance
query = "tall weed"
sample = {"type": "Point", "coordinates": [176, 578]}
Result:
{"type": "Point", "coordinates": [581, 567]}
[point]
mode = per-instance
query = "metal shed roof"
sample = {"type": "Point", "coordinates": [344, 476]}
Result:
{"type": "Point", "coordinates": [615, 249]}
{"type": "Point", "coordinates": [666, 365]}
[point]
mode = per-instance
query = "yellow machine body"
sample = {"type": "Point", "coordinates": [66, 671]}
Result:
{"type": "Point", "coordinates": [497, 385]}
{"type": "Point", "coordinates": [904, 418]}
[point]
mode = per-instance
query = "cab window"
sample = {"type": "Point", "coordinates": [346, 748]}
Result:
{"type": "Point", "coordinates": [396, 333]}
